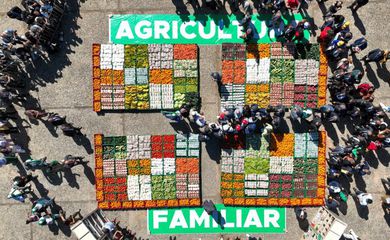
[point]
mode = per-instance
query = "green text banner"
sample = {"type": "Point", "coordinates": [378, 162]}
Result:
{"type": "Point", "coordinates": [226, 220]}
{"type": "Point", "coordinates": [192, 29]}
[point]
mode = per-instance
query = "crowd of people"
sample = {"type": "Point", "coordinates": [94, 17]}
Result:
{"type": "Point", "coordinates": [351, 100]}
{"type": "Point", "coordinates": [42, 18]}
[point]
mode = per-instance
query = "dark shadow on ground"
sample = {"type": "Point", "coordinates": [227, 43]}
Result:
{"type": "Point", "coordinates": [181, 127]}
{"type": "Point", "coordinates": [386, 216]}
{"type": "Point", "coordinates": [358, 22]}
{"type": "Point", "coordinates": [383, 156]}
{"type": "Point", "coordinates": [359, 181]}
{"type": "Point", "coordinates": [88, 172]}
{"type": "Point", "coordinates": [332, 133]}
{"type": "Point", "coordinates": [71, 178]}
{"type": "Point", "coordinates": [371, 159]}
{"type": "Point", "coordinates": [343, 207]}
{"type": "Point", "coordinates": [43, 192]}
{"type": "Point", "coordinates": [303, 224]}
{"type": "Point", "coordinates": [213, 149]}
{"type": "Point", "coordinates": [52, 129]}
{"type": "Point", "coordinates": [322, 7]}
{"type": "Point", "coordinates": [83, 140]}
{"type": "Point", "coordinates": [372, 76]}
{"type": "Point", "coordinates": [54, 178]}
{"type": "Point", "coordinates": [181, 9]}
{"type": "Point", "coordinates": [383, 73]}
{"type": "Point", "coordinates": [362, 211]}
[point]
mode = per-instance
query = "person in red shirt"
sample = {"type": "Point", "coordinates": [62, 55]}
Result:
{"type": "Point", "coordinates": [292, 4]}
{"type": "Point", "coordinates": [326, 34]}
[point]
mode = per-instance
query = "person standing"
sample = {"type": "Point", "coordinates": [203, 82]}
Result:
{"type": "Point", "coordinates": [376, 55]}
{"type": "Point", "coordinates": [331, 203]}
{"type": "Point", "coordinates": [334, 8]}
{"type": "Point", "coordinates": [357, 4]}
{"type": "Point", "coordinates": [364, 198]}
{"type": "Point", "coordinates": [248, 7]}
{"type": "Point", "coordinates": [209, 207]}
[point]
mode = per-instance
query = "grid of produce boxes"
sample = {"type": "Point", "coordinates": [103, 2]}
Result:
{"type": "Point", "coordinates": [147, 171]}
{"type": "Point", "coordinates": [285, 170]}
{"type": "Point", "coordinates": [273, 74]}
{"type": "Point", "coordinates": [144, 77]}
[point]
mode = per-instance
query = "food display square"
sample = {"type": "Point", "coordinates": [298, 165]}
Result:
{"type": "Point", "coordinates": [147, 171]}
{"type": "Point", "coordinates": [279, 171]}
{"type": "Point", "coordinates": [273, 74]}
{"type": "Point", "coordinates": [144, 77]}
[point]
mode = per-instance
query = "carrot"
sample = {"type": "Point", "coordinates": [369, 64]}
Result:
{"type": "Point", "coordinates": [161, 76]}
{"type": "Point", "coordinates": [193, 165]}
{"type": "Point", "coordinates": [185, 51]}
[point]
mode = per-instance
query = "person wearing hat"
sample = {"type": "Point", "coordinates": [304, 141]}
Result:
{"type": "Point", "coordinates": [376, 55]}
{"type": "Point", "coordinates": [356, 4]}
{"type": "Point", "coordinates": [326, 35]}
{"type": "Point", "coordinates": [358, 45]}
{"type": "Point", "coordinates": [331, 203]}
{"type": "Point", "coordinates": [293, 4]}
{"type": "Point", "coordinates": [364, 198]}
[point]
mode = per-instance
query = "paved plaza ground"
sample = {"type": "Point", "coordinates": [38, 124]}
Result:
{"type": "Point", "coordinates": [64, 85]}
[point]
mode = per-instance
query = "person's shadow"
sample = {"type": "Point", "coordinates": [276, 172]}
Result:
{"type": "Point", "coordinates": [383, 73]}
{"type": "Point", "coordinates": [358, 22]}
{"type": "Point", "coordinates": [361, 210]}
{"type": "Point", "coordinates": [372, 76]}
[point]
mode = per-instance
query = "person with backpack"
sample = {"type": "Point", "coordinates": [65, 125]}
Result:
{"type": "Point", "coordinates": [17, 13]}
{"type": "Point", "coordinates": [56, 119]}
{"type": "Point", "coordinates": [358, 45]}
{"type": "Point", "coordinates": [209, 206]}
{"type": "Point", "coordinates": [40, 205]}
{"type": "Point", "coordinates": [376, 55]}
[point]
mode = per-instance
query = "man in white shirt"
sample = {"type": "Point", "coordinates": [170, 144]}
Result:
{"type": "Point", "coordinates": [364, 198]}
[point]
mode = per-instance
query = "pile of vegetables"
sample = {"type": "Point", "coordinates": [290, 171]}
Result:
{"type": "Point", "coordinates": [275, 63]}
{"type": "Point", "coordinates": [137, 97]}
{"type": "Point", "coordinates": [255, 51]}
{"type": "Point", "coordinates": [127, 66]}
{"type": "Point", "coordinates": [160, 56]}
{"type": "Point", "coordinates": [187, 146]}
{"type": "Point", "coordinates": [257, 71]}
{"type": "Point", "coordinates": [233, 71]}
{"type": "Point", "coordinates": [128, 175]}
{"type": "Point", "coordinates": [232, 51]}
{"type": "Point", "coordinates": [282, 145]}
{"type": "Point", "coordinates": [255, 165]}
{"type": "Point", "coordinates": [185, 51]}
{"type": "Point", "coordinates": [281, 165]}
{"type": "Point", "coordinates": [161, 76]}
{"type": "Point", "coordinates": [185, 68]}
{"type": "Point", "coordinates": [232, 95]}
